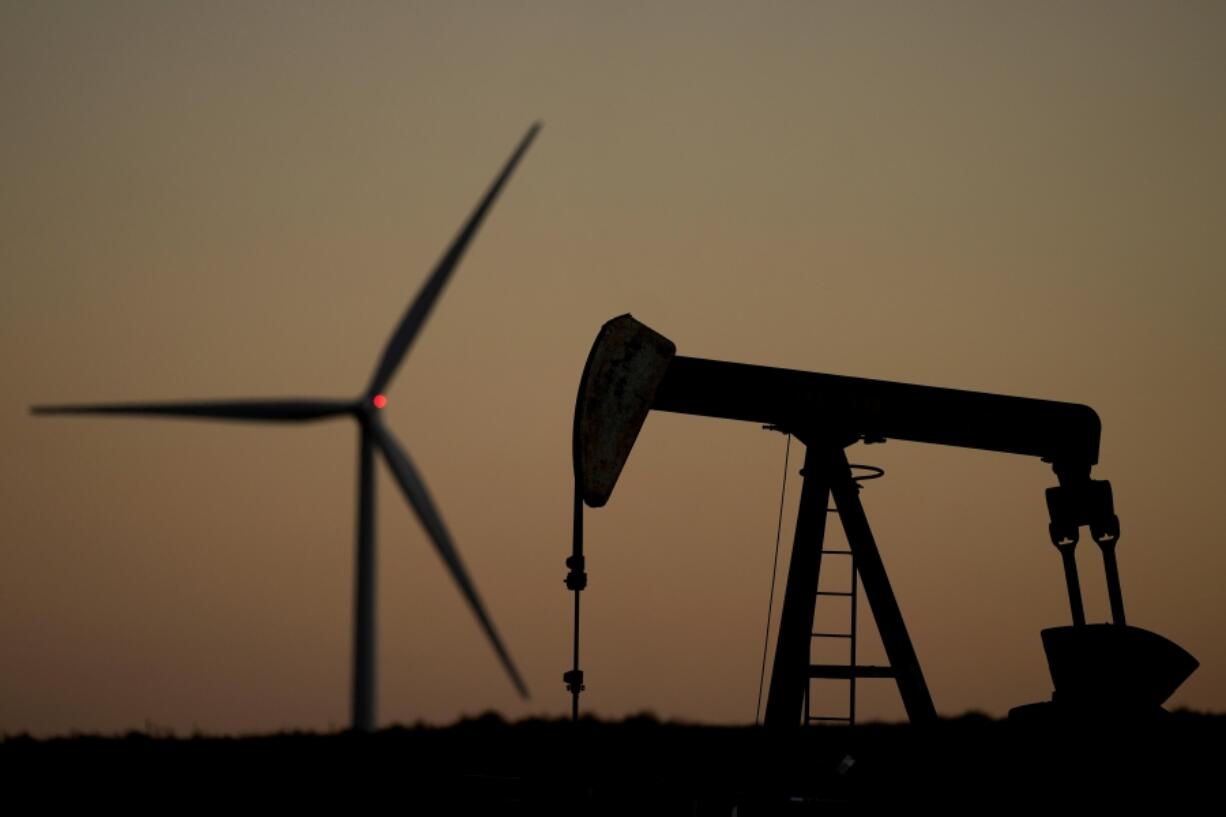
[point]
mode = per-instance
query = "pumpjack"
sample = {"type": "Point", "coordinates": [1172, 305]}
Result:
{"type": "Point", "coordinates": [1106, 670]}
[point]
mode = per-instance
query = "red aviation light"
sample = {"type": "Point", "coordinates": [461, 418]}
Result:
{"type": "Point", "coordinates": [379, 400]}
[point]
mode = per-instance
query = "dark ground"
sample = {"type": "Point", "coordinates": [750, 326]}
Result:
{"type": "Point", "coordinates": [641, 766]}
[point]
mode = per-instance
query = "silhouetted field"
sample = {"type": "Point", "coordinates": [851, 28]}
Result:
{"type": "Point", "coordinates": [641, 766]}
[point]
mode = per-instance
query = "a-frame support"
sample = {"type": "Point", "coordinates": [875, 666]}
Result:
{"type": "Point", "coordinates": [827, 474]}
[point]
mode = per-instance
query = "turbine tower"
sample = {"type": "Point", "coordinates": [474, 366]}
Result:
{"type": "Point", "coordinates": [373, 436]}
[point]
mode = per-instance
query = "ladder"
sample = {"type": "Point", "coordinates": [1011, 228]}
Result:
{"type": "Point", "coordinates": [828, 476]}
{"type": "Point", "coordinates": [851, 670]}
{"type": "Point", "coordinates": [837, 670]}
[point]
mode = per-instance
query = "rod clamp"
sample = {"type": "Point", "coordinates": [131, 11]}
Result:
{"type": "Point", "coordinates": [577, 578]}
{"type": "Point", "coordinates": [574, 681]}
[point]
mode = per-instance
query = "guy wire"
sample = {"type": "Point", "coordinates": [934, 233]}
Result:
{"type": "Point", "coordinates": [774, 572]}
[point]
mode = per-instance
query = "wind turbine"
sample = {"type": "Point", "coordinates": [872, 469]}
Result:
{"type": "Point", "coordinates": [374, 436]}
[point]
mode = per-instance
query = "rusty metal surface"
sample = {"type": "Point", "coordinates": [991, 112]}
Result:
{"type": "Point", "coordinates": [626, 365]}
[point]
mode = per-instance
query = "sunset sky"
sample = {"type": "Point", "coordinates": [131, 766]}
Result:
{"type": "Point", "coordinates": [211, 200]}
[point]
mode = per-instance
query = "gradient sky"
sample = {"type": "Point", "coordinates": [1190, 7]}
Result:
{"type": "Point", "coordinates": [233, 199]}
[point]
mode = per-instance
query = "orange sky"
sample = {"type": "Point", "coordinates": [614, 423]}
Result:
{"type": "Point", "coordinates": [227, 200]}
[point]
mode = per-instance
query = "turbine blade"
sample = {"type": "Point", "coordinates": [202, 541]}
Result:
{"type": "Point", "coordinates": [252, 410]}
{"type": "Point", "coordinates": [411, 323]}
{"type": "Point", "coordinates": [415, 491]}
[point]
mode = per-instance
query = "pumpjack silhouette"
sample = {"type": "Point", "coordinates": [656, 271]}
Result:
{"type": "Point", "coordinates": [1098, 670]}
